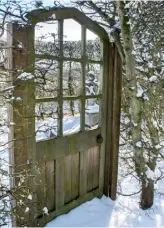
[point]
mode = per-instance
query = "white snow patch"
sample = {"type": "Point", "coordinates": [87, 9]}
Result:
{"type": "Point", "coordinates": [125, 120]}
{"type": "Point", "coordinates": [53, 16]}
{"type": "Point", "coordinates": [134, 124]}
{"type": "Point", "coordinates": [20, 45]}
{"type": "Point", "coordinates": [127, 6]}
{"type": "Point", "coordinates": [12, 123]}
{"type": "Point", "coordinates": [91, 72]}
{"type": "Point", "coordinates": [27, 209]}
{"type": "Point", "coordinates": [132, 87]}
{"type": "Point", "coordinates": [140, 68]}
{"type": "Point", "coordinates": [158, 146]}
{"type": "Point", "coordinates": [145, 97]}
{"type": "Point", "coordinates": [29, 197]}
{"type": "Point", "coordinates": [150, 174]}
{"type": "Point", "coordinates": [140, 91]}
{"type": "Point", "coordinates": [153, 78]}
{"type": "Point", "coordinates": [25, 76]}
{"type": "Point", "coordinates": [139, 60]}
{"type": "Point", "coordinates": [117, 25]}
{"type": "Point", "coordinates": [45, 211]}
{"type": "Point", "coordinates": [133, 52]}
{"type": "Point", "coordinates": [9, 88]}
{"type": "Point", "coordinates": [12, 98]}
{"type": "Point", "coordinates": [139, 144]}
{"type": "Point", "coordinates": [155, 124]}
{"type": "Point", "coordinates": [162, 143]}
{"type": "Point", "coordinates": [18, 99]}
{"type": "Point", "coordinates": [150, 65]}
{"type": "Point", "coordinates": [145, 78]}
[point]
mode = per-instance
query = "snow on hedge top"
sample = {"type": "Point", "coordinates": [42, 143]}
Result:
{"type": "Point", "coordinates": [25, 76]}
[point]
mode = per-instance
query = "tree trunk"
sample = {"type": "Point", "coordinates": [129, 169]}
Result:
{"type": "Point", "coordinates": [147, 194]}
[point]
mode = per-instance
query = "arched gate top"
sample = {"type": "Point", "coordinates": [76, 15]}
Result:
{"type": "Point", "coordinates": [42, 15]}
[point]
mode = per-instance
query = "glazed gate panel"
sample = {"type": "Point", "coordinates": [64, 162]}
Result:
{"type": "Point", "coordinates": [66, 169]}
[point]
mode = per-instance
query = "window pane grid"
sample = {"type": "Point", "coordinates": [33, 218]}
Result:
{"type": "Point", "coordinates": [83, 97]}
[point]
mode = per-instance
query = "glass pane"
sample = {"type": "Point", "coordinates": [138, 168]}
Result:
{"type": "Point", "coordinates": [72, 39]}
{"type": "Point", "coordinates": [47, 80]}
{"type": "Point", "coordinates": [92, 113]}
{"type": "Point", "coordinates": [46, 38]}
{"type": "Point", "coordinates": [93, 79]}
{"type": "Point", "coordinates": [72, 78]}
{"type": "Point", "coordinates": [93, 46]}
{"type": "Point", "coordinates": [46, 123]}
{"type": "Point", "coordinates": [71, 117]}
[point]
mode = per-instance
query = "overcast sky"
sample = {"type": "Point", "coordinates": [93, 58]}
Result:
{"type": "Point", "coordinates": [72, 30]}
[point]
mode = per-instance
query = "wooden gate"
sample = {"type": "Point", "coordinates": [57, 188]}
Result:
{"type": "Point", "coordinates": [64, 170]}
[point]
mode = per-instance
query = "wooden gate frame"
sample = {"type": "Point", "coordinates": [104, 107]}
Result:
{"type": "Point", "coordinates": [22, 134]}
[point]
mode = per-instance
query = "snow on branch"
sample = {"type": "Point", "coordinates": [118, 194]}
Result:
{"type": "Point", "coordinates": [25, 76]}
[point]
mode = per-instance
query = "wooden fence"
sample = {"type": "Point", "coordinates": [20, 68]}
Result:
{"type": "Point", "coordinates": [66, 171]}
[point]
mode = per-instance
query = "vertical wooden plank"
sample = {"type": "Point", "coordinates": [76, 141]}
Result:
{"type": "Point", "coordinates": [41, 188]}
{"type": "Point", "coordinates": [75, 176]}
{"type": "Point", "coordinates": [96, 163]}
{"type": "Point", "coordinates": [90, 170]}
{"type": "Point", "coordinates": [23, 114]}
{"type": "Point", "coordinates": [59, 183]}
{"type": "Point", "coordinates": [67, 178]}
{"type": "Point", "coordinates": [105, 104]}
{"type": "Point", "coordinates": [83, 172]}
{"type": "Point", "coordinates": [50, 185]}
{"type": "Point", "coordinates": [109, 114]}
{"type": "Point", "coordinates": [113, 171]}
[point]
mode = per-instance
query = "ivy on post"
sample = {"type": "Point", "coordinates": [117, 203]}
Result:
{"type": "Point", "coordinates": [22, 114]}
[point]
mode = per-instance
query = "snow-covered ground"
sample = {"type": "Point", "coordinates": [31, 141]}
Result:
{"type": "Point", "coordinates": [124, 212]}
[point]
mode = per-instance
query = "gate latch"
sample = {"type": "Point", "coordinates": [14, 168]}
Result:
{"type": "Point", "coordinates": [99, 139]}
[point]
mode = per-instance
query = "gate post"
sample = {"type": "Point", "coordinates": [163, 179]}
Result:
{"type": "Point", "coordinates": [117, 88]}
{"type": "Point", "coordinates": [113, 123]}
{"type": "Point", "coordinates": [21, 113]}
